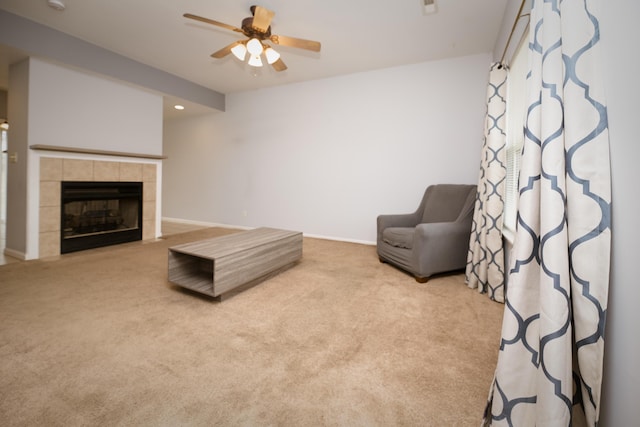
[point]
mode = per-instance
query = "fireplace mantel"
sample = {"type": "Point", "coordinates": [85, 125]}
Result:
{"type": "Point", "coordinates": [96, 152]}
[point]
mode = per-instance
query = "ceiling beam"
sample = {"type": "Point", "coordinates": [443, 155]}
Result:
{"type": "Point", "coordinates": [45, 42]}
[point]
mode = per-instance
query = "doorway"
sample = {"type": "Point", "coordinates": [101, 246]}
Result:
{"type": "Point", "coordinates": [4, 135]}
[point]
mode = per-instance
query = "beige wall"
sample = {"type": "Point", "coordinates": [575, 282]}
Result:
{"type": "Point", "coordinates": [621, 387]}
{"type": "Point", "coordinates": [329, 155]}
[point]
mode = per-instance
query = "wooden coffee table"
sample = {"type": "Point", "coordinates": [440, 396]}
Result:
{"type": "Point", "coordinates": [222, 266]}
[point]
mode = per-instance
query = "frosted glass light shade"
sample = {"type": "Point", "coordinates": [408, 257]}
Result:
{"type": "Point", "coordinates": [239, 51]}
{"type": "Point", "coordinates": [254, 47]}
{"type": "Point", "coordinates": [272, 55]}
{"type": "Point", "coordinates": [255, 61]}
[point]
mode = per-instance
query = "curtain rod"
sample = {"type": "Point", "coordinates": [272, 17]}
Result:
{"type": "Point", "coordinates": [513, 29]}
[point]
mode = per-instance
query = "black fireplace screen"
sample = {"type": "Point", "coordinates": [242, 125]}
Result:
{"type": "Point", "coordinates": [96, 214]}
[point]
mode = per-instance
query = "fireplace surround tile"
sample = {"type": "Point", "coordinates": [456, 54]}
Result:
{"type": "Point", "coordinates": [149, 191]}
{"type": "Point", "coordinates": [106, 171]}
{"type": "Point", "coordinates": [50, 169]}
{"type": "Point", "coordinates": [49, 244]}
{"type": "Point", "coordinates": [148, 231]}
{"type": "Point", "coordinates": [148, 210]}
{"type": "Point", "coordinates": [130, 172]}
{"type": "Point", "coordinates": [50, 218]}
{"type": "Point", "coordinates": [50, 193]}
{"type": "Point", "coordinates": [77, 170]}
{"type": "Point", "coordinates": [148, 173]}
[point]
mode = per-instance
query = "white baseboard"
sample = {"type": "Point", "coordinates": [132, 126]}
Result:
{"type": "Point", "coordinates": [15, 254]}
{"type": "Point", "coordinates": [339, 239]}
{"type": "Point", "coordinates": [242, 227]}
{"type": "Point", "coordinates": [205, 223]}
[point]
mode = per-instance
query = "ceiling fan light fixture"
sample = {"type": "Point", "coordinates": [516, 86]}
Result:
{"type": "Point", "coordinates": [257, 29]}
{"type": "Point", "coordinates": [272, 55]}
{"type": "Point", "coordinates": [239, 51]}
{"type": "Point", "coordinates": [255, 61]}
{"type": "Point", "coordinates": [254, 46]}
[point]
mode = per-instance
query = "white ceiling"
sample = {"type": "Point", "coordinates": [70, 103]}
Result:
{"type": "Point", "coordinates": [356, 35]}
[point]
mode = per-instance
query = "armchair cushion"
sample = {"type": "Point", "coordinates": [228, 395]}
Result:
{"type": "Point", "coordinates": [400, 237]}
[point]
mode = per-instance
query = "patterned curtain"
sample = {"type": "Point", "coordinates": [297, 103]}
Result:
{"type": "Point", "coordinates": [485, 259]}
{"type": "Point", "coordinates": [549, 370]}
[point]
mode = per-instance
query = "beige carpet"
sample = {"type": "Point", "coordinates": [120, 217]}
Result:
{"type": "Point", "coordinates": [101, 338]}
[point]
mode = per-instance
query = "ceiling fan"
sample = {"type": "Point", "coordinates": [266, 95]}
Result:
{"type": "Point", "coordinates": [257, 29]}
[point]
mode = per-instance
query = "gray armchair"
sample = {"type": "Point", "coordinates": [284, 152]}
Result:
{"type": "Point", "coordinates": [433, 239]}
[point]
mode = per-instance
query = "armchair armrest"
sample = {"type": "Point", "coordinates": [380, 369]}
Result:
{"type": "Point", "coordinates": [442, 230]}
{"type": "Point", "coordinates": [441, 246]}
{"type": "Point", "coordinates": [396, 220]}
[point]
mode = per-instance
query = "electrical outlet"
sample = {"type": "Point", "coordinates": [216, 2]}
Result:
{"type": "Point", "coordinates": [13, 157]}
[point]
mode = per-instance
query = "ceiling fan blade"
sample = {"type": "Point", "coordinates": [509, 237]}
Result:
{"type": "Point", "coordinates": [295, 42]}
{"type": "Point", "coordinates": [225, 50]}
{"type": "Point", "coordinates": [262, 18]}
{"type": "Point", "coordinates": [279, 65]}
{"type": "Point", "coordinates": [212, 22]}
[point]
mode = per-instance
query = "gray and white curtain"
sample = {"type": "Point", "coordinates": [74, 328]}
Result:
{"type": "Point", "coordinates": [549, 370]}
{"type": "Point", "coordinates": [485, 259]}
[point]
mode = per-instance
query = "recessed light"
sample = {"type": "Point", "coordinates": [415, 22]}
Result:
{"type": "Point", "coordinates": [56, 4]}
{"type": "Point", "coordinates": [179, 107]}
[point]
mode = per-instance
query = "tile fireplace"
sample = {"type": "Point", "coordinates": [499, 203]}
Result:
{"type": "Point", "coordinates": [94, 173]}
